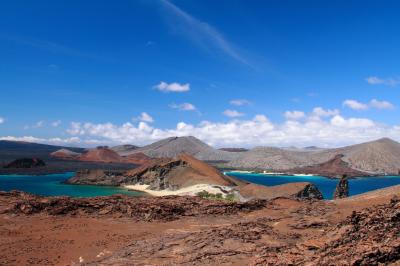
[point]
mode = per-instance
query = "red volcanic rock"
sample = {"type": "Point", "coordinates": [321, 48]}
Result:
{"type": "Point", "coordinates": [369, 237]}
{"type": "Point", "coordinates": [139, 208]}
{"type": "Point", "coordinates": [116, 230]}
{"type": "Point", "coordinates": [332, 168]}
{"type": "Point", "coordinates": [65, 154]}
{"type": "Point", "coordinates": [101, 154]}
{"type": "Point", "coordinates": [137, 158]}
{"type": "Point", "coordinates": [290, 190]}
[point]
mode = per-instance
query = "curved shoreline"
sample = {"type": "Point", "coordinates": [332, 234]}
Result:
{"type": "Point", "coordinates": [187, 191]}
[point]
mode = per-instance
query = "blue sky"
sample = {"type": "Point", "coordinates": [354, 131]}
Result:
{"type": "Point", "coordinates": [233, 73]}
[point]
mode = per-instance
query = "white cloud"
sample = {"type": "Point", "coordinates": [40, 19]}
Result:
{"type": "Point", "coordinates": [381, 104]}
{"type": "Point", "coordinates": [321, 112]}
{"type": "Point", "coordinates": [329, 131]}
{"type": "Point", "coordinates": [294, 115]}
{"type": "Point", "coordinates": [38, 124]}
{"type": "Point", "coordinates": [172, 87]}
{"type": "Point", "coordinates": [374, 103]}
{"type": "Point", "coordinates": [239, 102]}
{"type": "Point", "coordinates": [183, 107]}
{"type": "Point", "coordinates": [75, 129]}
{"type": "Point", "coordinates": [145, 117]}
{"type": "Point", "coordinates": [355, 105]}
{"type": "Point", "coordinates": [341, 122]}
{"type": "Point", "coordinates": [56, 123]}
{"type": "Point", "coordinates": [2, 120]}
{"type": "Point", "coordinates": [232, 113]}
{"type": "Point", "coordinates": [373, 80]}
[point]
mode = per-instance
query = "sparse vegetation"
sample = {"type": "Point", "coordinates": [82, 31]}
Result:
{"type": "Point", "coordinates": [218, 196]}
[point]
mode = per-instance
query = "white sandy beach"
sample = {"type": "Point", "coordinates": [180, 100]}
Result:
{"type": "Point", "coordinates": [187, 191]}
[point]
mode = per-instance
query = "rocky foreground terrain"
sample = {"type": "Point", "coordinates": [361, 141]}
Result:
{"type": "Point", "coordinates": [122, 230]}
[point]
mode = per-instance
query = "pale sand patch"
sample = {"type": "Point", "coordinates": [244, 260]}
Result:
{"type": "Point", "coordinates": [187, 191]}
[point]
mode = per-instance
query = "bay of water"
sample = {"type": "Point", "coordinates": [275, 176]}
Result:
{"type": "Point", "coordinates": [325, 185]}
{"type": "Point", "coordinates": [51, 185]}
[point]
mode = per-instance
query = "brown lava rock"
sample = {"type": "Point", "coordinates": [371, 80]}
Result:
{"type": "Point", "coordinates": [139, 208]}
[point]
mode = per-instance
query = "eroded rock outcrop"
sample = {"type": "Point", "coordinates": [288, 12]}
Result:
{"type": "Point", "coordinates": [177, 173]}
{"type": "Point", "coordinates": [98, 177]}
{"type": "Point", "coordinates": [342, 188]}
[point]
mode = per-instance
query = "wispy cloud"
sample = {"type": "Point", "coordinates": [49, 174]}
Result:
{"type": "Point", "coordinates": [381, 104]}
{"type": "Point", "coordinates": [232, 113]}
{"type": "Point", "coordinates": [355, 105]}
{"type": "Point", "coordinates": [50, 46]}
{"type": "Point", "coordinates": [373, 80]}
{"type": "Point", "coordinates": [374, 103]}
{"type": "Point", "coordinates": [201, 32]}
{"type": "Point", "coordinates": [172, 87]}
{"type": "Point", "coordinates": [321, 112]}
{"type": "Point", "coordinates": [183, 107]}
{"type": "Point", "coordinates": [240, 102]}
{"type": "Point", "coordinates": [39, 124]}
{"type": "Point", "coordinates": [56, 123]}
{"type": "Point", "coordinates": [2, 120]}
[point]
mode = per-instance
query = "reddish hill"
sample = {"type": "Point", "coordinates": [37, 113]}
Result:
{"type": "Point", "coordinates": [65, 154]}
{"type": "Point", "coordinates": [182, 171]}
{"type": "Point", "coordinates": [333, 168]}
{"type": "Point", "coordinates": [101, 154]}
{"type": "Point", "coordinates": [137, 158]}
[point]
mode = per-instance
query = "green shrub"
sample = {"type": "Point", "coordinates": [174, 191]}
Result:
{"type": "Point", "coordinates": [218, 196]}
{"type": "Point", "coordinates": [230, 197]}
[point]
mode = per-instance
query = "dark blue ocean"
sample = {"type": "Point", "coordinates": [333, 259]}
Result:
{"type": "Point", "coordinates": [51, 185]}
{"type": "Point", "coordinates": [325, 185]}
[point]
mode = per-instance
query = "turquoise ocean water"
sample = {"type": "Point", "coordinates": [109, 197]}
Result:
{"type": "Point", "coordinates": [325, 185]}
{"type": "Point", "coordinates": [51, 185]}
